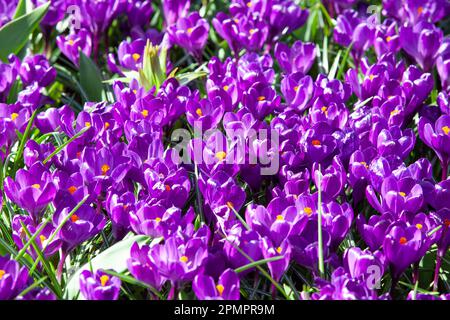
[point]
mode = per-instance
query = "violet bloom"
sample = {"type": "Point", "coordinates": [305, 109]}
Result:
{"type": "Point", "coordinates": [139, 12]}
{"type": "Point", "coordinates": [20, 236]}
{"type": "Point", "coordinates": [437, 137]}
{"type": "Point", "coordinates": [99, 286]}
{"type": "Point", "coordinates": [261, 100]}
{"type": "Point", "coordinates": [374, 230]}
{"type": "Point", "coordinates": [397, 195]}
{"type": "Point", "coordinates": [72, 44]}
{"type": "Point", "coordinates": [249, 32]}
{"type": "Point", "coordinates": [13, 278]}
{"type": "Point", "coordinates": [401, 247]}
{"type": "Point", "coordinates": [155, 220]}
{"type": "Point", "coordinates": [7, 10]}
{"type": "Point", "coordinates": [80, 226]}
{"type": "Point", "coordinates": [286, 16]}
{"type": "Point", "coordinates": [37, 69]}
{"type": "Point", "coordinates": [296, 58]}
{"type": "Point", "coordinates": [206, 114]}
{"type": "Point", "coordinates": [190, 33]}
{"type": "Point", "coordinates": [272, 249]}
{"type": "Point", "coordinates": [318, 143]}
{"type": "Point", "coordinates": [142, 268]}
{"type": "Point", "coordinates": [386, 38]}
{"type": "Point", "coordinates": [175, 9]}
{"type": "Point", "coordinates": [119, 208]}
{"type": "Point", "coordinates": [248, 241]}
{"type": "Point", "coordinates": [443, 63]}
{"type": "Point", "coordinates": [297, 90]}
{"type": "Point", "coordinates": [362, 264]}
{"type": "Point", "coordinates": [332, 179]}
{"type": "Point", "coordinates": [32, 190]}
{"type": "Point", "coordinates": [422, 42]}
{"type": "Point", "coordinates": [227, 287]}
{"type": "Point", "coordinates": [131, 54]}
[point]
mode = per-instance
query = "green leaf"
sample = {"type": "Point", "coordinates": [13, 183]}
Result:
{"type": "Point", "coordinates": [14, 35]}
{"type": "Point", "coordinates": [115, 257]}
{"type": "Point", "coordinates": [257, 263]}
{"type": "Point", "coordinates": [90, 79]}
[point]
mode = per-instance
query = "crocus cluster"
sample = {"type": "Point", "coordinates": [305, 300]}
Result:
{"type": "Point", "coordinates": [358, 203]}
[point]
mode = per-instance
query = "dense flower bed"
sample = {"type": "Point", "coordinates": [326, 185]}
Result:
{"type": "Point", "coordinates": [251, 149]}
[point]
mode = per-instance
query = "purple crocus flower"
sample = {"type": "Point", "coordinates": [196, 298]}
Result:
{"type": "Point", "coordinates": [190, 33]}
{"type": "Point", "coordinates": [261, 100]}
{"type": "Point", "coordinates": [227, 287]}
{"type": "Point", "coordinates": [142, 268]}
{"type": "Point", "coordinates": [297, 58]}
{"type": "Point", "coordinates": [437, 137]}
{"type": "Point", "coordinates": [32, 190]}
{"type": "Point", "coordinates": [286, 16]}
{"type": "Point", "coordinates": [99, 286]}
{"type": "Point", "coordinates": [205, 114]}
{"type": "Point", "coordinates": [72, 44]}
{"type": "Point", "coordinates": [332, 179]}
{"type": "Point", "coordinates": [373, 231]}
{"type": "Point", "coordinates": [37, 69]}
{"type": "Point", "coordinates": [175, 9]}
{"type": "Point", "coordinates": [297, 90]}
{"type": "Point", "coordinates": [422, 42]}
{"type": "Point", "coordinates": [362, 263]}
{"type": "Point", "coordinates": [7, 10]}
{"type": "Point", "coordinates": [13, 278]}
{"type": "Point", "coordinates": [443, 63]}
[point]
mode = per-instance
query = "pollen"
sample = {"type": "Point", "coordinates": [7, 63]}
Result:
{"type": "Point", "coordinates": [184, 259]}
{"type": "Point", "coordinates": [225, 87]}
{"type": "Point", "coordinates": [419, 226]}
{"type": "Point", "coordinates": [2, 273]}
{"type": "Point", "coordinates": [105, 169]}
{"type": "Point", "coordinates": [403, 240]}
{"type": "Point", "coordinates": [280, 217]}
{"type": "Point", "coordinates": [199, 112]}
{"type": "Point", "coordinates": [252, 31]}
{"type": "Point", "coordinates": [371, 77]}
{"type": "Point", "coordinates": [446, 129]}
{"type": "Point", "coordinates": [220, 289]}
{"type": "Point", "coordinates": [364, 164]}
{"type": "Point", "coordinates": [14, 116]}
{"type": "Point", "coordinates": [221, 155]}
{"type": "Point", "coordinates": [42, 238]}
{"type": "Point", "coordinates": [296, 88]}
{"type": "Point", "coordinates": [36, 186]}
{"type": "Point", "coordinates": [70, 42]}
{"type": "Point", "coordinates": [307, 210]}
{"type": "Point", "coordinates": [136, 57]}
{"type": "Point", "coordinates": [144, 113]}
{"type": "Point", "coordinates": [388, 38]}
{"type": "Point", "coordinates": [402, 194]}
{"type": "Point", "coordinates": [107, 125]}
{"type": "Point", "coordinates": [74, 218]}
{"type": "Point", "coordinates": [230, 204]}
{"type": "Point", "coordinates": [316, 143]}
{"type": "Point", "coordinates": [324, 110]}
{"type": "Point", "coordinates": [158, 219]}
{"type": "Point", "coordinates": [279, 249]}
{"type": "Point", "coordinates": [104, 280]}
{"type": "Point", "coordinates": [261, 98]}
{"type": "Point", "coordinates": [72, 189]}
{"type": "Point", "coordinates": [189, 30]}
{"type": "Point", "coordinates": [168, 188]}
{"type": "Point", "coordinates": [249, 4]}
{"type": "Point", "coordinates": [87, 124]}
{"type": "Point", "coordinates": [394, 112]}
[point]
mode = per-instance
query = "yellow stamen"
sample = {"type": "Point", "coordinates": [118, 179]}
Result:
{"type": "Point", "coordinates": [158, 219]}
{"type": "Point", "coordinates": [230, 204]}
{"type": "Point", "coordinates": [307, 210]}
{"type": "Point", "coordinates": [419, 226]}
{"type": "Point", "coordinates": [402, 194]}
{"type": "Point", "coordinates": [104, 279]}
{"type": "Point", "coordinates": [221, 155]}
{"type": "Point", "coordinates": [296, 88]}
{"type": "Point", "coordinates": [14, 116]}
{"type": "Point", "coordinates": [184, 259]}
{"type": "Point", "coordinates": [144, 113]}
{"type": "Point", "coordinates": [72, 189]}
{"type": "Point", "coordinates": [280, 217]}
{"type": "Point", "coordinates": [403, 240]}
{"type": "Point", "coordinates": [249, 4]}
{"type": "Point", "coordinates": [225, 87]}
{"type": "Point", "coordinates": [2, 273]}
{"type": "Point", "coordinates": [220, 289]}
{"type": "Point", "coordinates": [42, 238]}
{"type": "Point", "coordinates": [136, 57]}
{"type": "Point", "coordinates": [395, 112]}
{"type": "Point", "coordinates": [316, 143]}
{"type": "Point", "coordinates": [168, 188]}
{"type": "Point", "coordinates": [279, 249]}
{"type": "Point", "coordinates": [420, 10]}
{"type": "Point", "coordinates": [189, 30]}
{"type": "Point", "coordinates": [74, 218]}
{"type": "Point", "coordinates": [261, 98]}
{"type": "Point", "coordinates": [446, 129]}
{"type": "Point", "coordinates": [36, 186]}
{"type": "Point", "coordinates": [87, 124]}
{"type": "Point", "coordinates": [252, 31]}
{"type": "Point", "coordinates": [105, 169]}
{"type": "Point", "coordinates": [371, 77]}
{"type": "Point", "coordinates": [199, 112]}
{"type": "Point", "coordinates": [388, 38]}
{"type": "Point", "coordinates": [107, 125]}
{"type": "Point", "coordinates": [70, 42]}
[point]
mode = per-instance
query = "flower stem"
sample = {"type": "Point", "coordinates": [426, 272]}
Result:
{"type": "Point", "coordinates": [444, 166]}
